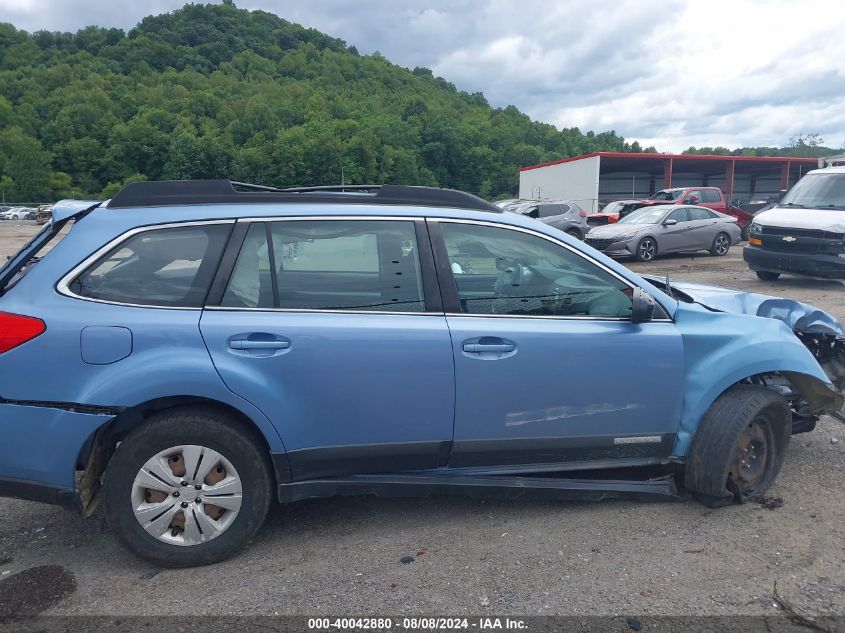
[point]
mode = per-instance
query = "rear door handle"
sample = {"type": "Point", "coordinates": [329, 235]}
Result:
{"type": "Point", "coordinates": [480, 348]}
{"type": "Point", "coordinates": [247, 344]}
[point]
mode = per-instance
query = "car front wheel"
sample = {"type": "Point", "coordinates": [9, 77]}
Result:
{"type": "Point", "coordinates": [646, 249]}
{"type": "Point", "coordinates": [739, 446]}
{"type": "Point", "coordinates": [721, 245]}
{"type": "Point", "coordinates": [765, 275]}
{"type": "Point", "coordinates": [187, 487]}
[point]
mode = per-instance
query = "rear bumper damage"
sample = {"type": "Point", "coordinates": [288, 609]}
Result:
{"type": "Point", "coordinates": [41, 450]}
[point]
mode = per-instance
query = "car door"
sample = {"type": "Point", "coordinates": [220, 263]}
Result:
{"type": "Point", "coordinates": [549, 368]}
{"type": "Point", "coordinates": [675, 237]}
{"type": "Point", "coordinates": [333, 328]}
{"type": "Point", "coordinates": [704, 227]}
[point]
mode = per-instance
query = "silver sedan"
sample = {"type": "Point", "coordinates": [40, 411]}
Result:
{"type": "Point", "coordinates": [651, 231]}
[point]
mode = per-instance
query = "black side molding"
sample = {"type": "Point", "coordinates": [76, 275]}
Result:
{"type": "Point", "coordinates": [73, 407]}
{"type": "Point", "coordinates": [42, 493]}
{"type": "Point", "coordinates": [482, 487]}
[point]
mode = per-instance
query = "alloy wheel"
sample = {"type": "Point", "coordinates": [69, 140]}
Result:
{"type": "Point", "coordinates": [721, 244]}
{"type": "Point", "coordinates": [647, 250]}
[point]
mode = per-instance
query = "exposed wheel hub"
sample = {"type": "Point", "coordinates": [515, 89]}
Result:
{"type": "Point", "coordinates": [751, 456]}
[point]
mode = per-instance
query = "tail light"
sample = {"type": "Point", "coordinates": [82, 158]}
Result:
{"type": "Point", "coordinates": [582, 213]}
{"type": "Point", "coordinates": [16, 329]}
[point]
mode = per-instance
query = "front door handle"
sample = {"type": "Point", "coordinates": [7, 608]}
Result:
{"type": "Point", "coordinates": [247, 344]}
{"type": "Point", "coordinates": [481, 348]}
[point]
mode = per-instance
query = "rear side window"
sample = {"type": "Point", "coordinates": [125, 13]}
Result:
{"type": "Point", "coordinates": [699, 214]}
{"type": "Point", "coordinates": [366, 265]}
{"type": "Point", "coordinates": [710, 196]}
{"type": "Point", "coordinates": [170, 267]}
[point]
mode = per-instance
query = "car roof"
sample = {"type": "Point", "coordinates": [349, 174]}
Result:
{"type": "Point", "coordinates": [838, 169]}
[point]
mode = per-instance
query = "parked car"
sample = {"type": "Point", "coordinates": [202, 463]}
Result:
{"type": "Point", "coordinates": [16, 213]}
{"type": "Point", "coordinates": [43, 213]}
{"type": "Point", "coordinates": [509, 202]}
{"type": "Point", "coordinates": [805, 232]}
{"type": "Point", "coordinates": [648, 232]}
{"type": "Point", "coordinates": [710, 197]}
{"type": "Point", "coordinates": [190, 351]}
{"type": "Point", "coordinates": [612, 212]}
{"type": "Point", "coordinates": [564, 215]}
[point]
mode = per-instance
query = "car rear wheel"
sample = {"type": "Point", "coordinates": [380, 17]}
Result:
{"type": "Point", "coordinates": [187, 487]}
{"type": "Point", "coordinates": [721, 245]}
{"type": "Point", "coordinates": [765, 275]}
{"type": "Point", "coordinates": [740, 445]}
{"type": "Point", "coordinates": [646, 249]}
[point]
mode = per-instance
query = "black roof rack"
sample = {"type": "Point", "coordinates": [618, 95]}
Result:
{"type": "Point", "coordinates": [182, 192]}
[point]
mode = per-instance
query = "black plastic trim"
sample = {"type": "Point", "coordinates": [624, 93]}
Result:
{"type": "Point", "coordinates": [431, 289]}
{"type": "Point", "coordinates": [43, 493]}
{"type": "Point", "coordinates": [484, 487]}
{"type": "Point", "coordinates": [281, 466]}
{"type": "Point", "coordinates": [227, 264]}
{"type": "Point", "coordinates": [74, 407]}
{"type": "Point", "coordinates": [446, 280]}
{"type": "Point", "coordinates": [556, 450]}
{"type": "Point", "coordinates": [330, 461]}
{"type": "Point", "coordinates": [186, 192]}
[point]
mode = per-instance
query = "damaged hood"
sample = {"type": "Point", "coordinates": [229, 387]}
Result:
{"type": "Point", "coordinates": [800, 317]}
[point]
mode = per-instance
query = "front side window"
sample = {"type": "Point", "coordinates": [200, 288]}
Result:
{"type": "Point", "coordinates": [679, 215]}
{"type": "Point", "coordinates": [503, 271]}
{"type": "Point", "coordinates": [366, 265]}
{"type": "Point", "coordinates": [170, 267]}
{"type": "Point", "coordinates": [711, 196]}
{"type": "Point", "coordinates": [694, 197]}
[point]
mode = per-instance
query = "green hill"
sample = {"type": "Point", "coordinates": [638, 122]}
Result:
{"type": "Point", "coordinates": [215, 91]}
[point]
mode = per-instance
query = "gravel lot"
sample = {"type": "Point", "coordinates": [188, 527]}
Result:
{"type": "Point", "coordinates": [528, 557]}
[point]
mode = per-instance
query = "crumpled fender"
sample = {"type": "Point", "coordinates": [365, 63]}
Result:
{"type": "Point", "coordinates": [800, 317]}
{"type": "Point", "coordinates": [722, 348]}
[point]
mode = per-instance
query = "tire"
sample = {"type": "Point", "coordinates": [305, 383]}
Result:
{"type": "Point", "coordinates": [721, 245]}
{"type": "Point", "coordinates": [719, 468]}
{"type": "Point", "coordinates": [187, 429]}
{"type": "Point", "coordinates": [646, 249]}
{"type": "Point", "coordinates": [765, 275]}
{"type": "Point", "coordinates": [574, 233]}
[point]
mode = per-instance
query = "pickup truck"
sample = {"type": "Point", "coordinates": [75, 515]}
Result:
{"type": "Point", "coordinates": [710, 197]}
{"type": "Point", "coordinates": [805, 232]}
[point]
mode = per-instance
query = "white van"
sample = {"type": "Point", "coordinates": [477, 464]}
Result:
{"type": "Point", "coordinates": [805, 232]}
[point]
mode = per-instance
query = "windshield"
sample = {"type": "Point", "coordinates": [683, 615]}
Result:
{"type": "Point", "coordinates": [643, 216]}
{"type": "Point", "coordinates": [667, 194]}
{"type": "Point", "coordinates": [825, 191]}
{"type": "Point", "coordinates": [612, 207]}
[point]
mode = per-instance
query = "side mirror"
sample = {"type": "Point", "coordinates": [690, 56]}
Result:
{"type": "Point", "coordinates": [642, 306]}
{"type": "Point", "coordinates": [670, 222]}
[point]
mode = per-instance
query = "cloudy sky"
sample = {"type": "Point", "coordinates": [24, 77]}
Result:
{"type": "Point", "coordinates": [671, 73]}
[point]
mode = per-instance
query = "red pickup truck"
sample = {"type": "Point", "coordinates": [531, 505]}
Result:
{"type": "Point", "coordinates": [710, 197]}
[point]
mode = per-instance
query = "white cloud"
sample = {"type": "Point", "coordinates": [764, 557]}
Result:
{"type": "Point", "coordinates": [672, 73]}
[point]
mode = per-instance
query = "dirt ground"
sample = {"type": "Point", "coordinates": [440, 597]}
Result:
{"type": "Point", "coordinates": [527, 557]}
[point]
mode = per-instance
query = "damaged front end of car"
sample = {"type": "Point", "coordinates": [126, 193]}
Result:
{"type": "Point", "coordinates": [817, 330]}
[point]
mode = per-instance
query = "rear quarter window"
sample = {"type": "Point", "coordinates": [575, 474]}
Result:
{"type": "Point", "coordinates": [171, 267]}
